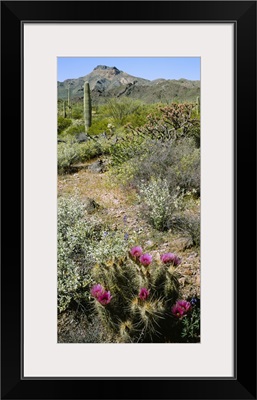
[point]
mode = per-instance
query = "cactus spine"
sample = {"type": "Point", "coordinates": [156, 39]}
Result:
{"type": "Point", "coordinates": [87, 106]}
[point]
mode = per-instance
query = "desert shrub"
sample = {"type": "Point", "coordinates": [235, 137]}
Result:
{"type": "Point", "coordinates": [186, 170]}
{"type": "Point", "coordinates": [187, 224]}
{"type": "Point", "coordinates": [78, 327]}
{"type": "Point", "coordinates": [67, 154]}
{"type": "Point", "coordinates": [113, 244]}
{"type": "Point", "coordinates": [72, 152]}
{"type": "Point", "coordinates": [134, 296]}
{"type": "Point", "coordinates": [62, 124]}
{"type": "Point", "coordinates": [77, 112]}
{"type": "Point", "coordinates": [75, 232]}
{"type": "Point", "coordinates": [178, 164]}
{"type": "Point", "coordinates": [89, 150]}
{"type": "Point", "coordinates": [119, 109]}
{"type": "Point", "coordinates": [159, 204]}
{"type": "Point", "coordinates": [77, 127]}
{"type": "Point", "coordinates": [127, 145]}
{"type": "Point", "coordinates": [123, 174]}
{"type": "Point", "coordinates": [94, 147]}
{"type": "Point", "coordinates": [99, 125]}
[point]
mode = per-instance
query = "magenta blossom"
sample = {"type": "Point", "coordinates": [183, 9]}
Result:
{"type": "Point", "coordinates": [177, 311]}
{"type": "Point", "coordinates": [136, 251]}
{"type": "Point", "coordinates": [145, 259]}
{"type": "Point", "coordinates": [97, 290]}
{"type": "Point", "coordinates": [180, 308]}
{"type": "Point", "coordinates": [176, 261]}
{"type": "Point", "coordinates": [104, 298]}
{"type": "Point", "coordinates": [184, 304]}
{"type": "Point", "coordinates": [144, 293]}
{"type": "Point", "coordinates": [169, 258]}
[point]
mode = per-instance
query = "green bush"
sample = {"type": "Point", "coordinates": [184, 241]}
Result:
{"type": "Point", "coordinates": [72, 152]}
{"type": "Point", "coordinates": [75, 232]}
{"type": "Point", "coordinates": [127, 146]}
{"type": "Point", "coordinates": [99, 125]}
{"type": "Point", "coordinates": [82, 242]}
{"type": "Point", "coordinates": [67, 154]}
{"type": "Point", "coordinates": [119, 109]}
{"type": "Point", "coordinates": [62, 124]}
{"type": "Point", "coordinates": [178, 164]}
{"type": "Point", "coordinates": [188, 224]}
{"type": "Point", "coordinates": [113, 244]}
{"type": "Point", "coordinates": [77, 112]}
{"type": "Point", "coordinates": [159, 204]}
{"type": "Point", "coordinates": [77, 127]}
{"type": "Point", "coordinates": [94, 148]}
{"type": "Point", "coordinates": [186, 170]}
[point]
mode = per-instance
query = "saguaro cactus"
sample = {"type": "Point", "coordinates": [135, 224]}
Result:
{"type": "Point", "coordinates": [87, 106]}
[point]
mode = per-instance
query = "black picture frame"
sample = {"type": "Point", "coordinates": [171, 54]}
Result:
{"type": "Point", "coordinates": [243, 385]}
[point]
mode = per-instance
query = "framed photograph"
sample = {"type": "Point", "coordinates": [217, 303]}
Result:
{"type": "Point", "coordinates": [128, 189]}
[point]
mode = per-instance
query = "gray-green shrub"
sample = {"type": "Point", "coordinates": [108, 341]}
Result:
{"type": "Point", "coordinates": [75, 232]}
{"type": "Point", "coordinates": [178, 164]}
{"type": "Point", "coordinates": [67, 154]}
{"type": "Point", "coordinates": [159, 204]}
{"type": "Point", "coordinates": [62, 124]}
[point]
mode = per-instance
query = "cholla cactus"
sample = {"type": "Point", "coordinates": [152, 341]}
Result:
{"type": "Point", "coordinates": [138, 293]}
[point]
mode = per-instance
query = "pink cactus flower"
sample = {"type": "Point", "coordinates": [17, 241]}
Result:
{"type": "Point", "coordinates": [104, 298]}
{"type": "Point", "coordinates": [145, 259]}
{"type": "Point", "coordinates": [170, 258]}
{"type": "Point", "coordinates": [136, 251]}
{"type": "Point", "coordinates": [184, 304]}
{"type": "Point", "coordinates": [97, 290]}
{"type": "Point", "coordinates": [176, 261]}
{"type": "Point", "coordinates": [181, 308]}
{"type": "Point", "coordinates": [177, 311]}
{"type": "Point", "coordinates": [144, 293]}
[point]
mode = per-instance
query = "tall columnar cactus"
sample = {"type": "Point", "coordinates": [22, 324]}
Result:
{"type": "Point", "coordinates": [134, 296]}
{"type": "Point", "coordinates": [87, 106]}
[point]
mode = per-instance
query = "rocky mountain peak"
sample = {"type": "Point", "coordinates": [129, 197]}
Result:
{"type": "Point", "coordinates": [106, 68]}
{"type": "Point", "coordinates": [109, 82]}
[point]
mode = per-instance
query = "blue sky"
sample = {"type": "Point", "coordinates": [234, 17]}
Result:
{"type": "Point", "coordinates": [141, 67]}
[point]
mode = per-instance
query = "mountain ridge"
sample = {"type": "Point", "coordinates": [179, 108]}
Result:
{"type": "Point", "coordinates": [107, 82]}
